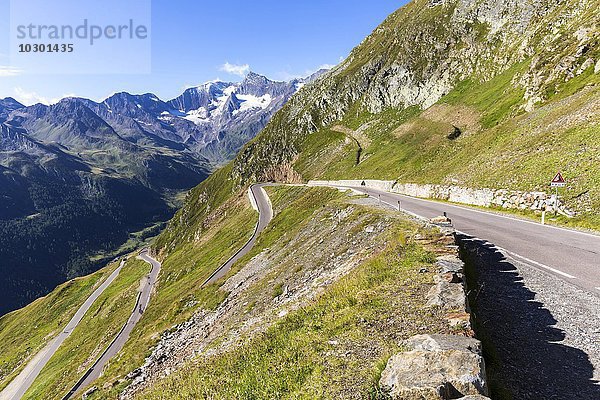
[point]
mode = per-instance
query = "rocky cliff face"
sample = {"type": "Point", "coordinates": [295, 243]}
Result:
{"type": "Point", "coordinates": [8, 105]}
{"type": "Point", "coordinates": [422, 51]}
{"type": "Point", "coordinates": [475, 93]}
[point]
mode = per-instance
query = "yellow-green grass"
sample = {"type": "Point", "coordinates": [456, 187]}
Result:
{"type": "Point", "coordinates": [25, 332]}
{"type": "Point", "coordinates": [96, 331]}
{"type": "Point", "coordinates": [510, 150]}
{"type": "Point", "coordinates": [179, 291]}
{"type": "Point", "coordinates": [335, 346]}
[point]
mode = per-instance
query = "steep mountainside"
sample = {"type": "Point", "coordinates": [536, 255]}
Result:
{"type": "Point", "coordinates": [8, 105]}
{"type": "Point", "coordinates": [472, 92]}
{"type": "Point", "coordinates": [79, 177]}
{"type": "Point", "coordinates": [479, 93]}
{"type": "Point", "coordinates": [531, 52]}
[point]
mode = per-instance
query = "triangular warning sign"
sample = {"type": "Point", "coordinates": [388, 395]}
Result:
{"type": "Point", "coordinates": [558, 178]}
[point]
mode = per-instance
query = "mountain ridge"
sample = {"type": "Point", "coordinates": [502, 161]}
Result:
{"type": "Point", "coordinates": [120, 165]}
{"type": "Point", "coordinates": [464, 92]}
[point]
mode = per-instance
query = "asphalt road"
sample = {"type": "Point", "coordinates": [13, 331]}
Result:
{"type": "Point", "coordinates": [570, 255]}
{"type": "Point", "coordinates": [265, 210]}
{"type": "Point", "coordinates": [17, 388]}
{"type": "Point", "coordinates": [143, 299]}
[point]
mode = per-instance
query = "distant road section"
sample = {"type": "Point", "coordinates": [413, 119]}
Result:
{"type": "Point", "coordinates": [17, 388]}
{"type": "Point", "coordinates": [117, 344]}
{"type": "Point", "coordinates": [260, 201]}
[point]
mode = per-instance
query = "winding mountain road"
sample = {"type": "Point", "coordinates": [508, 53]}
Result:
{"type": "Point", "coordinates": [17, 388]}
{"type": "Point", "coordinates": [260, 201]}
{"type": "Point", "coordinates": [535, 301]}
{"type": "Point", "coordinates": [571, 255]}
{"type": "Point", "coordinates": [262, 204]}
{"type": "Point", "coordinates": [117, 344]}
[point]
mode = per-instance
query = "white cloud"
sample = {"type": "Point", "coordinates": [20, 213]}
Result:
{"type": "Point", "coordinates": [6, 70]}
{"type": "Point", "coordinates": [190, 86]}
{"type": "Point", "coordinates": [330, 66]}
{"type": "Point", "coordinates": [325, 66]}
{"type": "Point", "coordinates": [30, 98]}
{"type": "Point", "coordinates": [287, 76]}
{"type": "Point", "coordinates": [239, 70]}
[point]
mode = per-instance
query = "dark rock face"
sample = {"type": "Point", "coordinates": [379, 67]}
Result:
{"type": "Point", "coordinates": [8, 105]}
{"type": "Point", "coordinates": [455, 134]}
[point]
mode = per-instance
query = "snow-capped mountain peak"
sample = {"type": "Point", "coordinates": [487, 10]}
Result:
{"type": "Point", "coordinates": [206, 103]}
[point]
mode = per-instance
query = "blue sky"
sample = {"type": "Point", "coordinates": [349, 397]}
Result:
{"type": "Point", "coordinates": [193, 40]}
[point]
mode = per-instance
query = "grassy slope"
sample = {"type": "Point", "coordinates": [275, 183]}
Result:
{"type": "Point", "coordinates": [26, 331]}
{"type": "Point", "coordinates": [95, 332]}
{"type": "Point", "coordinates": [512, 150]}
{"type": "Point", "coordinates": [179, 293]}
{"type": "Point", "coordinates": [316, 351]}
{"type": "Point", "coordinates": [499, 153]}
{"type": "Point", "coordinates": [213, 223]}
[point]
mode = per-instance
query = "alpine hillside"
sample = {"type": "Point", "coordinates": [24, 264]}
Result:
{"type": "Point", "coordinates": [82, 180]}
{"type": "Point", "coordinates": [498, 94]}
{"type": "Point", "coordinates": [479, 93]}
{"type": "Point", "coordinates": [476, 93]}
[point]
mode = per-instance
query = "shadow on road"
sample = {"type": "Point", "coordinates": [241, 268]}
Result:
{"type": "Point", "coordinates": [524, 356]}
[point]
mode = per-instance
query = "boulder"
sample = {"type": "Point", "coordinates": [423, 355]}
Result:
{"type": "Point", "coordinates": [436, 367]}
{"type": "Point", "coordinates": [442, 220]}
{"type": "Point", "coordinates": [450, 263]}
{"type": "Point", "coordinates": [448, 295]}
{"type": "Point", "coordinates": [459, 319]}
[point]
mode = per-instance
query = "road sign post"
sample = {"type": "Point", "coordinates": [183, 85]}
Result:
{"type": "Point", "coordinates": [557, 181]}
{"type": "Point", "coordinates": [544, 217]}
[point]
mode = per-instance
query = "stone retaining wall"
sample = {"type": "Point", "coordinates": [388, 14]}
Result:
{"type": "Point", "coordinates": [507, 199]}
{"type": "Point", "coordinates": [437, 366]}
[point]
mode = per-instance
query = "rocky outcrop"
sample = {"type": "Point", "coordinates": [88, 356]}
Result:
{"type": "Point", "coordinates": [440, 366]}
{"type": "Point", "coordinates": [448, 291]}
{"type": "Point", "coordinates": [436, 367]}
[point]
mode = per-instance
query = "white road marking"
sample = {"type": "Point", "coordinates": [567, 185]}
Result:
{"type": "Point", "coordinates": [533, 262]}
{"type": "Point", "coordinates": [538, 264]}
{"type": "Point", "coordinates": [366, 191]}
{"type": "Point", "coordinates": [505, 251]}
{"type": "Point", "coordinates": [515, 255]}
{"type": "Point", "coordinates": [395, 207]}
